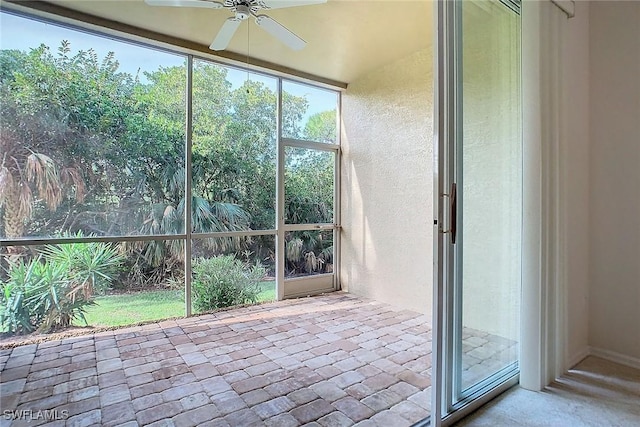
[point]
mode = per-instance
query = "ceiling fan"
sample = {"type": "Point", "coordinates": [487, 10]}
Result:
{"type": "Point", "coordinates": [243, 10]}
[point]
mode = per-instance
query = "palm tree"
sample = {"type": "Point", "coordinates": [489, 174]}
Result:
{"type": "Point", "coordinates": [32, 129]}
{"type": "Point", "coordinates": [28, 177]}
{"type": "Point", "coordinates": [166, 216]}
{"type": "Point", "coordinates": [309, 252]}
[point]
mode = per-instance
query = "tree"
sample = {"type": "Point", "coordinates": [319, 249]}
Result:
{"type": "Point", "coordinates": [219, 193]}
{"type": "Point", "coordinates": [309, 199]}
{"type": "Point", "coordinates": [39, 130]}
{"type": "Point", "coordinates": [88, 148]}
{"type": "Point", "coordinates": [321, 127]}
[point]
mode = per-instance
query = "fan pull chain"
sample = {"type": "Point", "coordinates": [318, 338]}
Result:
{"type": "Point", "coordinates": [248, 92]}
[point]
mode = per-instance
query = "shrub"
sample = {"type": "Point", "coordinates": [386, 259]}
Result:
{"type": "Point", "coordinates": [50, 291]}
{"type": "Point", "coordinates": [34, 296]}
{"type": "Point", "coordinates": [15, 315]}
{"type": "Point", "coordinates": [91, 266]}
{"type": "Point", "coordinates": [224, 281]}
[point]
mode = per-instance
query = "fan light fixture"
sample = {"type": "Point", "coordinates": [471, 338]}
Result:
{"type": "Point", "coordinates": [243, 10]}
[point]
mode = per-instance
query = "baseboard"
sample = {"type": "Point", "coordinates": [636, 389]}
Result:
{"type": "Point", "coordinates": [612, 356]}
{"type": "Point", "coordinates": [579, 357]}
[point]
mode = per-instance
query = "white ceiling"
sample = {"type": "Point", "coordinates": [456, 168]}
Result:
{"type": "Point", "coordinates": [345, 38]}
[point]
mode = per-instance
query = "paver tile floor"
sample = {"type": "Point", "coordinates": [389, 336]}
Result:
{"type": "Point", "coordinates": [330, 360]}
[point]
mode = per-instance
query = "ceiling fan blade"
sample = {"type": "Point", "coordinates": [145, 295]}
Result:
{"type": "Point", "coordinates": [225, 34]}
{"type": "Point", "coordinates": [280, 32]}
{"type": "Point", "coordinates": [186, 3]}
{"type": "Point", "coordinates": [279, 4]}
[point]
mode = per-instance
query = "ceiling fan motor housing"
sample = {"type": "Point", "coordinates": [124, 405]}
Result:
{"type": "Point", "coordinates": [242, 12]}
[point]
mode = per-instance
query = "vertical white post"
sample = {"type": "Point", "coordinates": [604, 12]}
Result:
{"type": "Point", "coordinates": [187, 187]}
{"type": "Point", "coordinates": [337, 210]}
{"type": "Point", "coordinates": [531, 349]}
{"type": "Point", "coordinates": [280, 234]}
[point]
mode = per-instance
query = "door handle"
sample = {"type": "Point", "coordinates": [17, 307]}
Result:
{"type": "Point", "coordinates": [453, 212]}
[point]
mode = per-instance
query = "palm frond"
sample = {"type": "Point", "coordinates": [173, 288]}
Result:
{"type": "Point", "coordinates": [176, 249]}
{"type": "Point", "coordinates": [154, 253]}
{"type": "Point", "coordinates": [71, 176]}
{"type": "Point", "coordinates": [230, 216]}
{"type": "Point", "coordinates": [327, 254]}
{"type": "Point", "coordinates": [42, 171]}
{"type": "Point", "coordinates": [294, 249]}
{"type": "Point", "coordinates": [173, 177]}
{"type": "Point", "coordinates": [311, 261]}
{"type": "Point", "coordinates": [26, 201]}
{"type": "Point", "coordinates": [168, 219]}
{"type": "Point", "coordinates": [201, 218]}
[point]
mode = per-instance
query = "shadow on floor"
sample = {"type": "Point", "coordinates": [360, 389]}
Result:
{"type": "Point", "coordinates": [594, 393]}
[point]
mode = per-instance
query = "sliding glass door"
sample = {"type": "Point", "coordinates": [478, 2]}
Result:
{"type": "Point", "coordinates": [480, 214]}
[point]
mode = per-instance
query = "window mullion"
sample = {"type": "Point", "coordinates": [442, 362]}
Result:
{"type": "Point", "coordinates": [188, 187]}
{"type": "Point", "coordinates": [280, 200]}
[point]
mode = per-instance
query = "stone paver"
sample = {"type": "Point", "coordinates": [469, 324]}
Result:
{"type": "Point", "coordinates": [330, 360]}
{"type": "Point", "coordinates": [335, 419]}
{"type": "Point", "coordinates": [312, 411]}
{"type": "Point", "coordinates": [354, 409]}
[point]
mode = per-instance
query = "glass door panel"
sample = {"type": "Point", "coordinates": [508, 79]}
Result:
{"type": "Point", "coordinates": [309, 186]}
{"type": "Point", "coordinates": [309, 229]}
{"type": "Point", "coordinates": [489, 184]}
{"type": "Point", "coordinates": [479, 204]}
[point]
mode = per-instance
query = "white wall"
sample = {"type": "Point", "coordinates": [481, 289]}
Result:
{"type": "Point", "coordinates": [614, 293]}
{"type": "Point", "coordinates": [574, 167]}
{"type": "Point", "coordinates": [387, 182]}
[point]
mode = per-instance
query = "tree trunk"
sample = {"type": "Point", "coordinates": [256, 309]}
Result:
{"type": "Point", "coordinates": [13, 221]}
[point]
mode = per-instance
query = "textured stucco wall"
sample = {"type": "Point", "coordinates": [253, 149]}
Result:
{"type": "Point", "coordinates": [387, 181]}
{"type": "Point", "coordinates": [614, 292]}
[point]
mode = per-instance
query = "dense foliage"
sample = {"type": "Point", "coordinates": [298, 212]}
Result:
{"type": "Point", "coordinates": [87, 148]}
{"type": "Point", "coordinates": [52, 289]}
{"type": "Point", "coordinates": [224, 281]}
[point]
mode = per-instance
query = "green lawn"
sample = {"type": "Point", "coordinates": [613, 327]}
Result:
{"type": "Point", "coordinates": [135, 307]}
{"type": "Point", "coordinates": [268, 291]}
{"type": "Point", "coordinates": [127, 309]}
